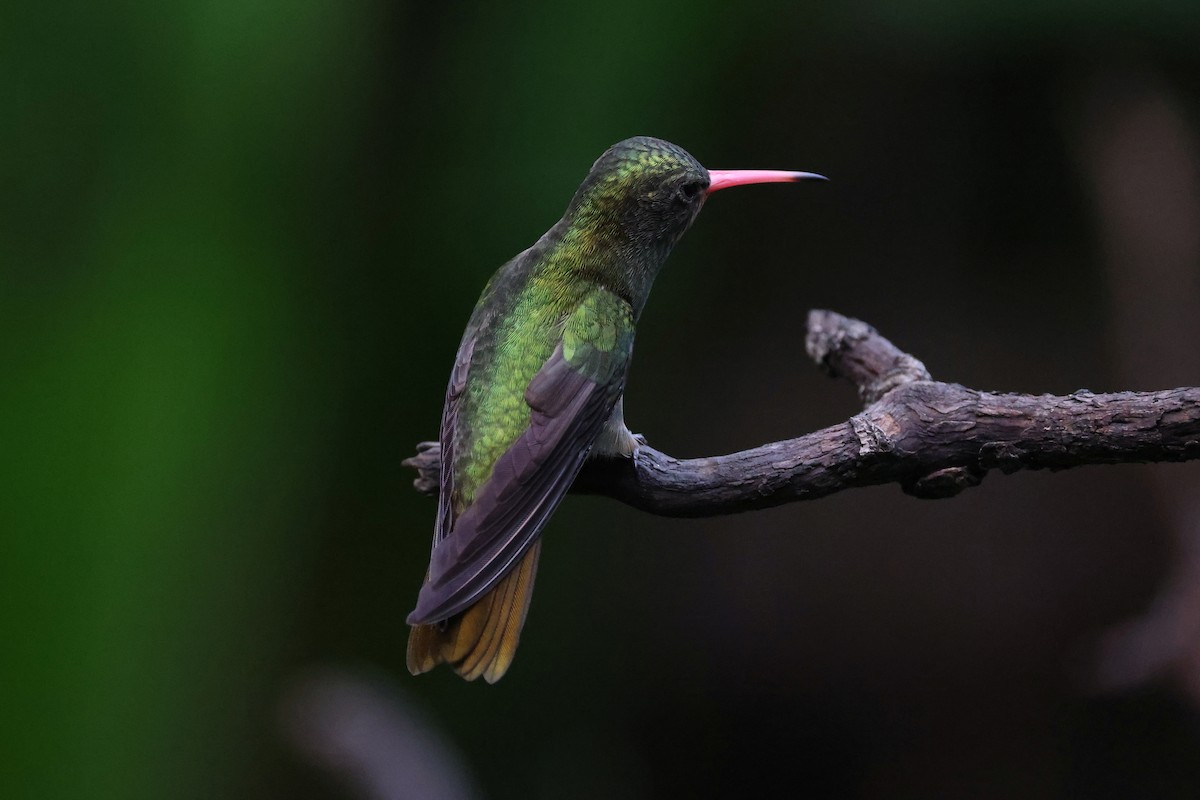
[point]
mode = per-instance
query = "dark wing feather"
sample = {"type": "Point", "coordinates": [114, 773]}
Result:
{"type": "Point", "coordinates": [454, 392]}
{"type": "Point", "coordinates": [569, 405]}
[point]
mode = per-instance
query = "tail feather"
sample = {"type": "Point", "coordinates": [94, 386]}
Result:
{"type": "Point", "coordinates": [482, 640]}
{"type": "Point", "coordinates": [476, 661]}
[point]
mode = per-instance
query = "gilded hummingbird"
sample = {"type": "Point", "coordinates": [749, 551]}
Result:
{"type": "Point", "coordinates": [536, 388]}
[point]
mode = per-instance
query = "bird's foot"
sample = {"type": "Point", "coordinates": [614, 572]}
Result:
{"type": "Point", "coordinates": [618, 442]}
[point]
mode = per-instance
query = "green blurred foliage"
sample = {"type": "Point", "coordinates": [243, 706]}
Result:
{"type": "Point", "coordinates": [238, 244]}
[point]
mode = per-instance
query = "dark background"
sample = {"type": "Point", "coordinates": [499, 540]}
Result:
{"type": "Point", "coordinates": [240, 241]}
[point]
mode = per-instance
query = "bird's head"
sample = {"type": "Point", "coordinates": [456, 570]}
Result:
{"type": "Point", "coordinates": [651, 190]}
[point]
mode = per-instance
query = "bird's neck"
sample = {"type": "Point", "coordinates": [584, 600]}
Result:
{"type": "Point", "coordinates": [604, 253]}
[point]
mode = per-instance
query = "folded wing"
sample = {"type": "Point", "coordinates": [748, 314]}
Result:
{"type": "Point", "coordinates": [570, 398]}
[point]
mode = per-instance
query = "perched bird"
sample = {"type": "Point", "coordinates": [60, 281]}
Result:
{"type": "Point", "coordinates": [536, 388]}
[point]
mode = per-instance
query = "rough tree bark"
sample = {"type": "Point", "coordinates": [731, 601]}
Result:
{"type": "Point", "coordinates": [934, 439]}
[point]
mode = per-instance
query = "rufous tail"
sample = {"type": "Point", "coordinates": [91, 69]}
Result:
{"type": "Point", "coordinates": [483, 639]}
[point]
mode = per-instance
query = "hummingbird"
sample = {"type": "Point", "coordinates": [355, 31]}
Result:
{"type": "Point", "coordinates": [536, 389]}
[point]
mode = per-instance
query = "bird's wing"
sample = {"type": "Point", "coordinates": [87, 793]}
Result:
{"type": "Point", "coordinates": [570, 398]}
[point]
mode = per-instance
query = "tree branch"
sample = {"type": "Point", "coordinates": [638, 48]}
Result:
{"type": "Point", "coordinates": [934, 439]}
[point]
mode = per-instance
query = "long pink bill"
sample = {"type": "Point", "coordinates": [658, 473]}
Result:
{"type": "Point", "coordinates": [724, 178]}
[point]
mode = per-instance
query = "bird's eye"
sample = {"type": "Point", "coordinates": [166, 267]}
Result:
{"type": "Point", "coordinates": [687, 193]}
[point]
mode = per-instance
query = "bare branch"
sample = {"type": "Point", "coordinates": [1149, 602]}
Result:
{"type": "Point", "coordinates": [851, 349]}
{"type": "Point", "coordinates": [934, 439]}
